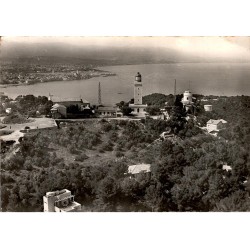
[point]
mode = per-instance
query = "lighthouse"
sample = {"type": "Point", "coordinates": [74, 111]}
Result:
{"type": "Point", "coordinates": [138, 89]}
{"type": "Point", "coordinates": [139, 109]}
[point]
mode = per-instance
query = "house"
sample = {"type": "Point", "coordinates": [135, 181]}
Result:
{"type": "Point", "coordinates": [70, 107]}
{"type": "Point", "coordinates": [107, 111]}
{"type": "Point", "coordinates": [71, 101]}
{"type": "Point", "coordinates": [140, 169]}
{"type": "Point", "coordinates": [215, 125]}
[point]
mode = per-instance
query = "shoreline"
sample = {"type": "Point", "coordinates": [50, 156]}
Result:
{"type": "Point", "coordinates": [103, 73]}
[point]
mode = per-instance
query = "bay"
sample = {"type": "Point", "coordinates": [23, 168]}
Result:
{"type": "Point", "coordinates": [203, 78]}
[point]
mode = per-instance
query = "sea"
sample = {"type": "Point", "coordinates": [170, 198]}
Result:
{"type": "Point", "coordinates": [226, 79]}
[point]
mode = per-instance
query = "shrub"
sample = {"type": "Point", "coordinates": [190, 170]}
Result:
{"type": "Point", "coordinates": [106, 127]}
{"type": "Point", "coordinates": [107, 147]}
{"type": "Point", "coordinates": [119, 154]}
{"type": "Point", "coordinates": [15, 118]}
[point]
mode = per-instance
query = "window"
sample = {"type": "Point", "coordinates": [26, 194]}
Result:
{"type": "Point", "coordinates": [138, 110]}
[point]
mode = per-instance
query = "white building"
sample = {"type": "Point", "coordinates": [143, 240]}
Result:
{"type": "Point", "coordinates": [215, 125]}
{"type": "Point", "coordinates": [60, 201]}
{"type": "Point", "coordinates": [208, 108]}
{"type": "Point", "coordinates": [139, 109]}
{"type": "Point", "coordinates": [187, 98]}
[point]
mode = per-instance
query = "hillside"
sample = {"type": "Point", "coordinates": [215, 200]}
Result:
{"type": "Point", "coordinates": [91, 159]}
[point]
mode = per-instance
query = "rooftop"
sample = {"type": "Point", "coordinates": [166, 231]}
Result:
{"type": "Point", "coordinates": [107, 109]}
{"type": "Point", "coordinates": [58, 192]}
{"type": "Point", "coordinates": [69, 99]}
{"type": "Point", "coordinates": [58, 106]}
{"type": "Point", "coordinates": [211, 121]}
{"type": "Point", "coordinates": [136, 169]}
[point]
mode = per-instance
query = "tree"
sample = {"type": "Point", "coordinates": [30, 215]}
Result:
{"type": "Point", "coordinates": [5, 194]}
{"type": "Point", "coordinates": [23, 192]}
{"type": "Point", "coordinates": [107, 192]}
{"type": "Point", "coordinates": [153, 110]}
{"type": "Point", "coordinates": [126, 110]}
{"type": "Point", "coordinates": [237, 202]}
{"type": "Point", "coordinates": [13, 204]}
{"type": "Point", "coordinates": [153, 197]}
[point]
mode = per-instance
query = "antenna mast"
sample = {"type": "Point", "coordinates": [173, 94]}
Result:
{"type": "Point", "coordinates": [99, 94]}
{"type": "Point", "coordinates": [174, 87]}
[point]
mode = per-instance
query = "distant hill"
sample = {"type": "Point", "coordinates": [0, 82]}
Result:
{"type": "Point", "coordinates": [50, 60]}
{"type": "Point", "coordinates": [60, 53]}
{"type": "Point", "coordinates": [127, 50]}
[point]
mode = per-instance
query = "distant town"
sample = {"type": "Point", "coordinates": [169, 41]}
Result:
{"type": "Point", "coordinates": [31, 73]}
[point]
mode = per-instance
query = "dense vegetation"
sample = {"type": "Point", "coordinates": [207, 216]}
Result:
{"type": "Point", "coordinates": [24, 107]}
{"type": "Point", "coordinates": [91, 159]}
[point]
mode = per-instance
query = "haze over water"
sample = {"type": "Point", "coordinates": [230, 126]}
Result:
{"type": "Point", "coordinates": [203, 78]}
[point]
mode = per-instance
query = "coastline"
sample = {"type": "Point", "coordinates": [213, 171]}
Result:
{"type": "Point", "coordinates": [102, 73]}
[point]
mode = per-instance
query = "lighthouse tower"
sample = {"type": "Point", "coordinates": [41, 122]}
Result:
{"type": "Point", "coordinates": [138, 89]}
{"type": "Point", "coordinates": [138, 107]}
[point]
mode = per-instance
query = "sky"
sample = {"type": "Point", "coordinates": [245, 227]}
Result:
{"type": "Point", "coordinates": [232, 48]}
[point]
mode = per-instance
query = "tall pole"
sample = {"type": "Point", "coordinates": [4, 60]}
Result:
{"type": "Point", "coordinates": [99, 94]}
{"type": "Point", "coordinates": [174, 87]}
